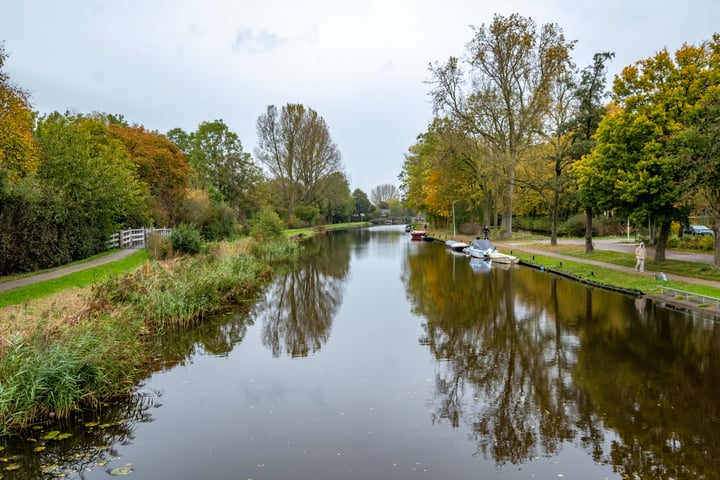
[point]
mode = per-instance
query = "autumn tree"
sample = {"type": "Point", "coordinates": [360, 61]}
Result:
{"type": "Point", "coordinates": [698, 143]}
{"type": "Point", "coordinates": [574, 112]}
{"type": "Point", "coordinates": [160, 164]}
{"type": "Point", "coordinates": [295, 146]}
{"type": "Point", "coordinates": [18, 152]}
{"type": "Point", "coordinates": [512, 66]}
{"type": "Point", "coordinates": [447, 166]}
{"type": "Point", "coordinates": [633, 167]}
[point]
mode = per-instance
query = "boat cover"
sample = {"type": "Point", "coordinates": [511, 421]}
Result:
{"type": "Point", "coordinates": [482, 244]}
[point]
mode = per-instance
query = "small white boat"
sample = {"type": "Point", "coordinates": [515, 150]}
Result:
{"type": "Point", "coordinates": [481, 248]}
{"type": "Point", "coordinates": [499, 257]}
{"type": "Point", "coordinates": [456, 246]}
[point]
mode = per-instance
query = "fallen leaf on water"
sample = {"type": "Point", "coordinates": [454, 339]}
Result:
{"type": "Point", "coordinates": [121, 471]}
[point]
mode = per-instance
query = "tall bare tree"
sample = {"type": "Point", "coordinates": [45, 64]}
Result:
{"type": "Point", "coordinates": [382, 194]}
{"type": "Point", "coordinates": [295, 146]}
{"type": "Point", "coordinates": [512, 66]}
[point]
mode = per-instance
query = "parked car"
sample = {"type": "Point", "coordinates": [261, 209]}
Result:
{"type": "Point", "coordinates": [698, 230]}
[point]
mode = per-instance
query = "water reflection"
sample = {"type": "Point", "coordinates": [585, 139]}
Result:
{"type": "Point", "coordinates": [298, 310]}
{"type": "Point", "coordinates": [84, 444]}
{"type": "Point", "coordinates": [528, 361]}
{"type": "Point", "coordinates": [422, 362]}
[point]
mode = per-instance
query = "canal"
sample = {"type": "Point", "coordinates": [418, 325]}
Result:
{"type": "Point", "coordinates": [385, 358]}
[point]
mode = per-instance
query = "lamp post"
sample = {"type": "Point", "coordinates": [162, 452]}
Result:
{"type": "Point", "coordinates": [453, 209]}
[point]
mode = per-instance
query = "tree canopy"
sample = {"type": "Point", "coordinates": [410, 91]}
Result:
{"type": "Point", "coordinates": [511, 67]}
{"type": "Point", "coordinates": [18, 152]}
{"type": "Point", "coordinates": [295, 146]}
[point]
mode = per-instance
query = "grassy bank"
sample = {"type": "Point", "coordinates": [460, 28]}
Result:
{"type": "Point", "coordinates": [97, 351]}
{"type": "Point", "coordinates": [79, 279]}
{"type": "Point", "coordinates": [647, 282]}
{"type": "Point", "coordinates": [310, 231]}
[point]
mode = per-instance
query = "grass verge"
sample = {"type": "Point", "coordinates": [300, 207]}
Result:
{"type": "Point", "coordinates": [80, 279]}
{"type": "Point", "coordinates": [646, 283]}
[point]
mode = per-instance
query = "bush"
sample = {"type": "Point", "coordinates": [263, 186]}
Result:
{"type": "Point", "coordinates": [267, 225]}
{"type": "Point", "coordinates": [186, 239]}
{"type": "Point", "coordinates": [306, 213]}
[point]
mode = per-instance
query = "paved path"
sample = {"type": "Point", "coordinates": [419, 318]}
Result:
{"type": "Point", "coordinates": [62, 271]}
{"type": "Point", "coordinates": [618, 246]}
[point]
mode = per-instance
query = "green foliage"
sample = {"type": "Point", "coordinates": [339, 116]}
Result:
{"type": "Point", "coordinates": [267, 225]}
{"type": "Point", "coordinates": [306, 213]}
{"type": "Point", "coordinates": [362, 202]}
{"type": "Point", "coordinates": [186, 239]}
{"type": "Point", "coordinates": [219, 165]}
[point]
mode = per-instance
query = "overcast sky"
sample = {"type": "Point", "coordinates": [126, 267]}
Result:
{"type": "Point", "coordinates": [360, 65]}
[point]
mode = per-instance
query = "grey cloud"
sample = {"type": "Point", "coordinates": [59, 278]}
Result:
{"type": "Point", "coordinates": [249, 39]}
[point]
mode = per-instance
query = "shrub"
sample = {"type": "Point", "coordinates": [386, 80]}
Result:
{"type": "Point", "coordinates": [306, 213]}
{"type": "Point", "coordinates": [186, 239]}
{"type": "Point", "coordinates": [267, 225]}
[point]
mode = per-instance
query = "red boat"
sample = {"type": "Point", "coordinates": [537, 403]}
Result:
{"type": "Point", "coordinates": [418, 234]}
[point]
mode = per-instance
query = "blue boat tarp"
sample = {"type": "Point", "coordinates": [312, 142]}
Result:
{"type": "Point", "coordinates": [482, 244]}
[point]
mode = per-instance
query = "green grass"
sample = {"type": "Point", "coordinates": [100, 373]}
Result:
{"type": "Point", "coordinates": [78, 279]}
{"type": "Point", "coordinates": [306, 232]}
{"type": "Point", "coordinates": [645, 283]}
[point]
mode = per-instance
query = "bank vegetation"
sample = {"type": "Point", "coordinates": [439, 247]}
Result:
{"type": "Point", "coordinates": [60, 360]}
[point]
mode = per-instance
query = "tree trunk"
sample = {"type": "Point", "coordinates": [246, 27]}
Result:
{"type": "Point", "coordinates": [588, 230]}
{"type": "Point", "coordinates": [716, 229]}
{"type": "Point", "coordinates": [662, 241]}
{"type": "Point", "coordinates": [553, 218]}
{"type": "Point", "coordinates": [507, 211]}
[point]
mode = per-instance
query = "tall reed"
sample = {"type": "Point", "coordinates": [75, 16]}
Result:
{"type": "Point", "coordinates": [48, 376]}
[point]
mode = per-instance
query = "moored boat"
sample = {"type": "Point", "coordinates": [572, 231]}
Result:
{"type": "Point", "coordinates": [499, 257]}
{"type": "Point", "coordinates": [482, 248]}
{"type": "Point", "coordinates": [479, 248]}
{"type": "Point", "coordinates": [456, 246]}
{"type": "Point", "coordinates": [418, 234]}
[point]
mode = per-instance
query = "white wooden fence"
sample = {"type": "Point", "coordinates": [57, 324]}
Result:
{"type": "Point", "coordinates": [134, 238]}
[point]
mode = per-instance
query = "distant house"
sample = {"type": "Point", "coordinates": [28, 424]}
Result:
{"type": "Point", "coordinates": [384, 212]}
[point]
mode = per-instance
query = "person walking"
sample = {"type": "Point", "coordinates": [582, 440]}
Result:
{"type": "Point", "coordinates": [486, 232]}
{"type": "Point", "coordinates": [640, 256]}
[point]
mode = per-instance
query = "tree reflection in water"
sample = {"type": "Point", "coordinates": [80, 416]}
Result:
{"type": "Point", "coordinates": [299, 307]}
{"type": "Point", "coordinates": [529, 362]}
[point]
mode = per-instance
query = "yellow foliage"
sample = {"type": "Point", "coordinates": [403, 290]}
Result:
{"type": "Point", "coordinates": [18, 151]}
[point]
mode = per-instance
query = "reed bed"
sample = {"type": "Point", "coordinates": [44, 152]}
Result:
{"type": "Point", "coordinates": [51, 374]}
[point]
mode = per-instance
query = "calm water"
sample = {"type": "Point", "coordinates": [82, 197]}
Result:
{"type": "Point", "coordinates": [383, 358]}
